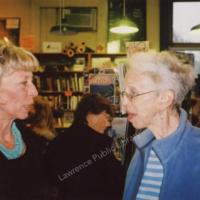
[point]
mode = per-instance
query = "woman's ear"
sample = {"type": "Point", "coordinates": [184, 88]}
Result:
{"type": "Point", "coordinates": [88, 118]}
{"type": "Point", "coordinates": [166, 99]}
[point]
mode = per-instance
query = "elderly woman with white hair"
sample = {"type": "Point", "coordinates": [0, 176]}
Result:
{"type": "Point", "coordinates": [166, 164]}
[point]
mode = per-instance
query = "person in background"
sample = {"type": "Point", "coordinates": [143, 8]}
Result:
{"type": "Point", "coordinates": [195, 111]}
{"type": "Point", "coordinates": [40, 120]}
{"type": "Point", "coordinates": [80, 160]}
{"type": "Point", "coordinates": [20, 156]}
{"type": "Point", "coordinates": [166, 162]}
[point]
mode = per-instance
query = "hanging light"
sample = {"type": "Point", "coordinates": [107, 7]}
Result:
{"type": "Point", "coordinates": [195, 28]}
{"type": "Point", "coordinates": [61, 29]}
{"type": "Point", "coordinates": [125, 25]}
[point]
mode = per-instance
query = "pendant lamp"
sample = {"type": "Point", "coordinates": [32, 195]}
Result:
{"type": "Point", "coordinates": [125, 25]}
{"type": "Point", "coordinates": [195, 28]}
{"type": "Point", "coordinates": [61, 28]}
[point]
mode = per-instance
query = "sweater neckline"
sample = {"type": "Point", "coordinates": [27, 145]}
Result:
{"type": "Point", "coordinates": [19, 145]}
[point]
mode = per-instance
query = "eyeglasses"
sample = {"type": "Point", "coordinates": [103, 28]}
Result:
{"type": "Point", "coordinates": [130, 97]}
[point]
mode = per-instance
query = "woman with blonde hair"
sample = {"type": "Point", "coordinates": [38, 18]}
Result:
{"type": "Point", "coordinates": [21, 168]}
{"type": "Point", "coordinates": [40, 118]}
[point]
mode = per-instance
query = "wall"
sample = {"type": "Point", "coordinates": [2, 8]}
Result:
{"type": "Point", "coordinates": [29, 12]}
{"type": "Point", "coordinates": [20, 9]}
{"type": "Point", "coordinates": [90, 38]}
{"type": "Point", "coordinates": [153, 24]}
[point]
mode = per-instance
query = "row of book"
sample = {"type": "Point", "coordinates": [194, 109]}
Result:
{"type": "Point", "coordinates": [63, 103]}
{"type": "Point", "coordinates": [65, 120]}
{"type": "Point", "coordinates": [73, 82]}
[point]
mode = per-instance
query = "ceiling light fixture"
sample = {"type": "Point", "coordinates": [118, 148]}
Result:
{"type": "Point", "coordinates": [125, 25]}
{"type": "Point", "coordinates": [61, 28]}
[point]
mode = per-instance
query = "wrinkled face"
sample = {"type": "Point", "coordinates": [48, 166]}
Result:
{"type": "Point", "coordinates": [17, 92]}
{"type": "Point", "coordinates": [99, 122]}
{"type": "Point", "coordinates": [141, 100]}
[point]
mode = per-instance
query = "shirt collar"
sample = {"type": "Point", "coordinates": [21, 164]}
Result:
{"type": "Point", "coordinates": [165, 146]}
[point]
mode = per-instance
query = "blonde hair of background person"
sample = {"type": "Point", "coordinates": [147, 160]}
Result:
{"type": "Point", "coordinates": [41, 118]}
{"type": "Point", "coordinates": [156, 84]}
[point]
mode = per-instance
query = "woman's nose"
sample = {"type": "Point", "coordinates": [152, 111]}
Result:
{"type": "Point", "coordinates": [32, 90]}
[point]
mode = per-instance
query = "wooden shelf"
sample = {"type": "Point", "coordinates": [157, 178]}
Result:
{"type": "Point", "coordinates": [57, 73]}
{"type": "Point", "coordinates": [55, 93]}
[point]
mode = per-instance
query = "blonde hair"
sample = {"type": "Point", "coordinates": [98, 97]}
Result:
{"type": "Point", "coordinates": [166, 70]}
{"type": "Point", "coordinates": [15, 58]}
{"type": "Point", "coordinates": [40, 118]}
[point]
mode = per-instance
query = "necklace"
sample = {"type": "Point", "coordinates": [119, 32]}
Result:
{"type": "Point", "coordinates": [19, 144]}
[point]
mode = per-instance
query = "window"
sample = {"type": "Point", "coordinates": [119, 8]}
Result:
{"type": "Point", "coordinates": [185, 15]}
{"type": "Point", "coordinates": [10, 28]}
{"type": "Point", "coordinates": [176, 19]}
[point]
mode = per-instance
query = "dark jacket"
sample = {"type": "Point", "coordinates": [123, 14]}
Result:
{"type": "Point", "coordinates": [23, 178]}
{"type": "Point", "coordinates": [81, 163]}
{"type": "Point", "coordinates": [179, 154]}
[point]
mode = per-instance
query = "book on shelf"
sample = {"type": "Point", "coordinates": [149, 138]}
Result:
{"type": "Point", "coordinates": [136, 46]}
{"type": "Point", "coordinates": [120, 60]}
{"type": "Point", "coordinates": [73, 82]}
{"type": "Point", "coordinates": [61, 105]}
{"type": "Point", "coordinates": [101, 62]}
{"type": "Point", "coordinates": [64, 121]}
{"type": "Point", "coordinates": [103, 84]}
{"type": "Point", "coordinates": [79, 64]}
{"type": "Point", "coordinates": [81, 83]}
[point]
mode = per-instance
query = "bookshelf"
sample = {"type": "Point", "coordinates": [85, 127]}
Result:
{"type": "Point", "coordinates": [63, 80]}
{"type": "Point", "coordinates": [86, 58]}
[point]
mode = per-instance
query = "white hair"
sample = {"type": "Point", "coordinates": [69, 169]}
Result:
{"type": "Point", "coordinates": [166, 70]}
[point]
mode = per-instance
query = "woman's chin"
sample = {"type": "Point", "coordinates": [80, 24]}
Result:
{"type": "Point", "coordinates": [23, 116]}
{"type": "Point", "coordinates": [136, 125]}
